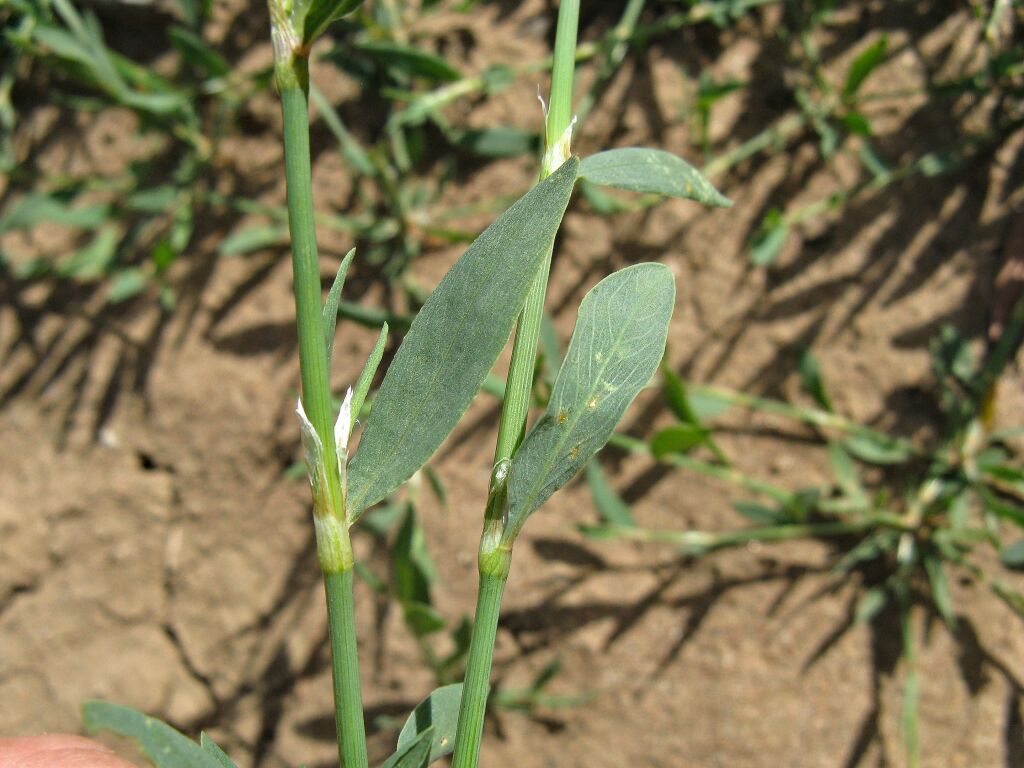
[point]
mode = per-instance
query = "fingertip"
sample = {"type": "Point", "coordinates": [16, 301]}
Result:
{"type": "Point", "coordinates": [57, 751]}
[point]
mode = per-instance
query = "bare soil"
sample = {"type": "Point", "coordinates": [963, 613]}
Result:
{"type": "Point", "coordinates": [155, 553]}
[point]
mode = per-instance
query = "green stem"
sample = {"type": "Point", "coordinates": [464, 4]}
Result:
{"type": "Point", "coordinates": [524, 349]}
{"type": "Point", "coordinates": [306, 266]}
{"type": "Point", "coordinates": [478, 671]}
{"type": "Point", "coordinates": [495, 557]}
{"type": "Point", "coordinates": [520, 374]}
{"type": "Point", "coordinates": [333, 544]}
{"type": "Point", "coordinates": [341, 622]}
{"type": "Point", "coordinates": [562, 73]}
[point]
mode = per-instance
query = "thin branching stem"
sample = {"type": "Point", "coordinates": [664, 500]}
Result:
{"type": "Point", "coordinates": [701, 542]}
{"type": "Point", "coordinates": [524, 349]}
{"type": "Point", "coordinates": [812, 417]}
{"type": "Point", "coordinates": [316, 399]}
{"type": "Point", "coordinates": [495, 557]}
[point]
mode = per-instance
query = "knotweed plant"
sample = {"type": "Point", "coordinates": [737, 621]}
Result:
{"type": "Point", "coordinates": [498, 285]}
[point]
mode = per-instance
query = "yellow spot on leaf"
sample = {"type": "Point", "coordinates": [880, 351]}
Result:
{"type": "Point", "coordinates": [574, 453]}
{"type": "Point", "coordinates": [562, 417]}
{"type": "Point", "coordinates": [591, 403]}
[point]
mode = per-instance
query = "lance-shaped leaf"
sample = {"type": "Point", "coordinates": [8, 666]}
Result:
{"type": "Point", "coordinates": [609, 504]}
{"type": "Point", "coordinates": [865, 63]}
{"type": "Point", "coordinates": [615, 349]}
{"type": "Point", "coordinates": [454, 341]}
{"type": "Point", "coordinates": [210, 747]}
{"type": "Point", "coordinates": [329, 315]}
{"type": "Point", "coordinates": [365, 379]}
{"type": "Point", "coordinates": [318, 14]}
{"type": "Point", "coordinates": [652, 171]}
{"type": "Point", "coordinates": [440, 712]}
{"type": "Point", "coordinates": [408, 60]}
{"type": "Point", "coordinates": [415, 754]}
{"type": "Point", "coordinates": [165, 746]}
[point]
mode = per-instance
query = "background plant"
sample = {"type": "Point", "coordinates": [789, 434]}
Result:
{"type": "Point", "coordinates": [931, 516]}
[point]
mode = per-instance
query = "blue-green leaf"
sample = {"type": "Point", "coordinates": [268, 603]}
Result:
{"type": "Point", "coordinates": [878, 449]}
{"type": "Point", "coordinates": [158, 199]}
{"type": "Point", "coordinates": [940, 588]}
{"type": "Point", "coordinates": [439, 712]}
{"type": "Point", "coordinates": [413, 572]}
{"type": "Point", "coordinates": [92, 260]}
{"type": "Point", "coordinates": [652, 171]}
{"type": "Point", "coordinates": [362, 386]}
{"type": "Point", "coordinates": [812, 381]}
{"type": "Point", "coordinates": [770, 238]}
{"type": "Point", "coordinates": [871, 604]}
{"type": "Point", "coordinates": [320, 13]}
{"type": "Point", "coordinates": [126, 284]}
{"type": "Point", "coordinates": [846, 474]}
{"type": "Point", "coordinates": [454, 341]}
{"type": "Point", "coordinates": [864, 65]}
{"type": "Point", "coordinates": [675, 395]}
{"type": "Point", "coordinates": [413, 755]}
{"type": "Point", "coordinates": [679, 438]}
{"type": "Point", "coordinates": [329, 318]}
{"type": "Point", "coordinates": [198, 52]}
{"type": "Point", "coordinates": [210, 747]}
{"type": "Point", "coordinates": [706, 406]}
{"type": "Point", "coordinates": [249, 239]}
{"type": "Point", "coordinates": [409, 60]}
{"type": "Point", "coordinates": [1013, 555]}
{"type": "Point", "coordinates": [165, 746]}
{"type": "Point", "coordinates": [615, 348]}
{"type": "Point", "coordinates": [501, 141]}
{"type": "Point", "coordinates": [38, 208]}
{"type": "Point", "coordinates": [609, 504]}
{"type": "Point", "coordinates": [760, 514]}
